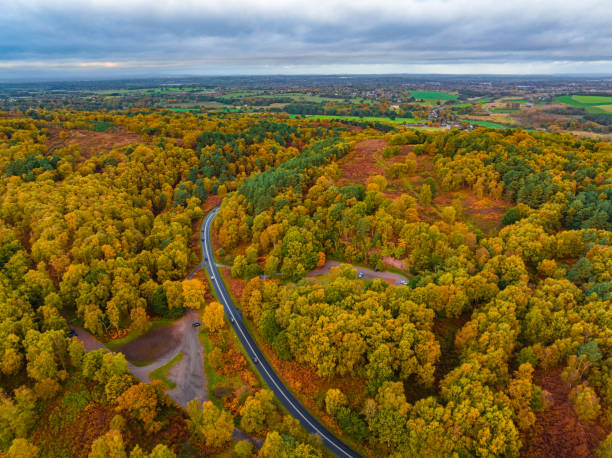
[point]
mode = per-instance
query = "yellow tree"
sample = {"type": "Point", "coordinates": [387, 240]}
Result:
{"type": "Point", "coordinates": [194, 292]}
{"type": "Point", "coordinates": [213, 317]}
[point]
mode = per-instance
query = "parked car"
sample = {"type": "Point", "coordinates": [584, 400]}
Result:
{"type": "Point", "coordinates": [403, 282]}
{"type": "Point", "coordinates": [360, 274]}
{"type": "Point", "coordinates": [71, 333]}
{"type": "Point", "coordinates": [197, 324]}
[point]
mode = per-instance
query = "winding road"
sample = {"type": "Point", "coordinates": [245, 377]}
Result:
{"type": "Point", "coordinates": [335, 445]}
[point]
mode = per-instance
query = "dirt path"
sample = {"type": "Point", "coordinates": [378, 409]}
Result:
{"type": "Point", "coordinates": [368, 274]}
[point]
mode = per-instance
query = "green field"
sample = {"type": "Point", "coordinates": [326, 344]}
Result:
{"type": "Point", "coordinates": [489, 124]}
{"type": "Point", "coordinates": [433, 95]}
{"type": "Point", "coordinates": [591, 103]}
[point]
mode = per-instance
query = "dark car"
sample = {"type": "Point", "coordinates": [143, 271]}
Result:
{"type": "Point", "coordinates": [256, 361]}
{"type": "Point", "coordinates": [72, 333]}
{"type": "Point", "coordinates": [232, 320]}
{"type": "Point", "coordinates": [205, 259]}
{"type": "Point", "coordinates": [197, 324]}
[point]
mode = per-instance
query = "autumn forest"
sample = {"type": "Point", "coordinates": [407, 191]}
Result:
{"type": "Point", "coordinates": [421, 292]}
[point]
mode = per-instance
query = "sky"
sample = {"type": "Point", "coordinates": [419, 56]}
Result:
{"type": "Point", "coordinates": [46, 39]}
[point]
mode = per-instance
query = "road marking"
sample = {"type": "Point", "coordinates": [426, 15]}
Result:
{"type": "Point", "coordinates": [227, 305]}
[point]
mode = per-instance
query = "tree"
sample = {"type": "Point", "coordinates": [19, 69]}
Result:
{"type": "Point", "coordinates": [605, 448]}
{"type": "Point", "coordinates": [586, 402]}
{"type": "Point", "coordinates": [581, 272]}
{"type": "Point", "coordinates": [379, 368]}
{"type": "Point", "coordinates": [174, 294]}
{"type": "Point", "coordinates": [243, 449]}
{"type": "Point", "coordinates": [213, 317]}
{"type": "Point", "coordinates": [239, 266]}
{"type": "Point", "coordinates": [110, 445]}
{"type": "Point", "coordinates": [194, 292]}
{"type": "Point", "coordinates": [271, 266]}
{"type": "Point", "coordinates": [140, 320]}
{"type": "Point", "coordinates": [21, 448]}
{"type": "Point", "coordinates": [425, 195]}
{"type": "Point", "coordinates": [510, 217]}
{"type": "Point", "coordinates": [161, 451]}
{"type": "Point", "coordinates": [256, 411]}
{"type": "Point", "coordinates": [144, 402]}
{"type": "Point", "coordinates": [334, 399]}
{"type": "Point", "coordinates": [274, 446]}
{"type": "Point", "coordinates": [210, 424]}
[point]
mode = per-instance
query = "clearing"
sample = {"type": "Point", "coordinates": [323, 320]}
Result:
{"type": "Point", "coordinates": [89, 141]}
{"type": "Point", "coordinates": [558, 432]}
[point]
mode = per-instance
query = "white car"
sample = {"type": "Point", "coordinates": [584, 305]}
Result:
{"type": "Point", "coordinates": [360, 274]}
{"type": "Point", "coordinates": [403, 282]}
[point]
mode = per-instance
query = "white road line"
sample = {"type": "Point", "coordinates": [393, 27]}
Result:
{"type": "Point", "coordinates": [226, 302]}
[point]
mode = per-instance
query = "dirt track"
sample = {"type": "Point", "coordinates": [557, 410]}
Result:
{"type": "Point", "coordinates": [368, 274]}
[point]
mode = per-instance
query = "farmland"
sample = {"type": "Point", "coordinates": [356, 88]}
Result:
{"type": "Point", "coordinates": [433, 95]}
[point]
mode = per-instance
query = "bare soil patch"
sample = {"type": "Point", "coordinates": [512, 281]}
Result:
{"type": "Point", "coordinates": [558, 432]}
{"type": "Point", "coordinates": [395, 263]}
{"type": "Point", "coordinates": [91, 142]}
{"type": "Point", "coordinates": [154, 344]}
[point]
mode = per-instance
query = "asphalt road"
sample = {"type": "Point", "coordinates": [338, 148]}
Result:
{"type": "Point", "coordinates": [335, 445]}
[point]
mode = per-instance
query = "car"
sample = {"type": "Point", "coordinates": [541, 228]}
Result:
{"type": "Point", "coordinates": [205, 259]}
{"type": "Point", "coordinates": [212, 277]}
{"type": "Point", "coordinates": [360, 274]}
{"type": "Point", "coordinates": [375, 269]}
{"type": "Point", "coordinates": [196, 324]}
{"type": "Point", "coordinates": [403, 282]}
{"type": "Point", "coordinates": [72, 333]}
{"type": "Point", "coordinates": [256, 361]}
{"type": "Point", "coordinates": [232, 320]}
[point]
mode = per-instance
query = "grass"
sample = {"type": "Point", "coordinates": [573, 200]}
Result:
{"type": "Point", "coordinates": [591, 103]}
{"type": "Point", "coordinates": [593, 99]}
{"type": "Point", "coordinates": [161, 373]}
{"type": "Point", "coordinates": [433, 95]}
{"type": "Point", "coordinates": [604, 108]}
{"type": "Point", "coordinates": [118, 343]}
{"type": "Point", "coordinates": [489, 124]}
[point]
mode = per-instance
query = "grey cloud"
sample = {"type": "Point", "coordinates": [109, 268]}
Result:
{"type": "Point", "coordinates": [250, 33]}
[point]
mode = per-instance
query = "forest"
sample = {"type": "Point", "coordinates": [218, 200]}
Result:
{"type": "Point", "coordinates": [497, 343]}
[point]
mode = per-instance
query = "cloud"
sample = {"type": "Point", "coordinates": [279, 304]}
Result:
{"type": "Point", "coordinates": [264, 36]}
